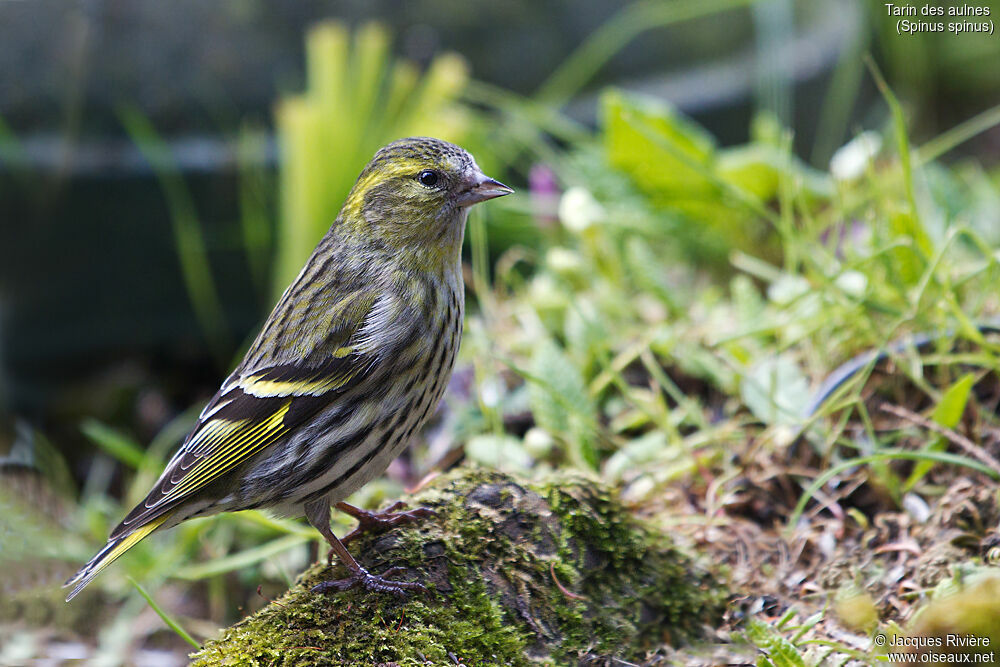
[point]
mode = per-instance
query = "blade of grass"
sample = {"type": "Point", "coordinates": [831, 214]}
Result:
{"type": "Point", "coordinates": [947, 414]}
{"type": "Point", "coordinates": [368, 71]}
{"type": "Point", "coordinates": [285, 526]}
{"type": "Point", "coordinates": [884, 456]}
{"type": "Point", "coordinates": [772, 86]}
{"type": "Point", "coordinates": [12, 154]}
{"type": "Point", "coordinates": [191, 248]}
{"type": "Point", "coordinates": [241, 559]}
{"type": "Point", "coordinates": [255, 209]}
{"type": "Point", "coordinates": [171, 623]}
{"type": "Point", "coordinates": [479, 244]}
{"type": "Point", "coordinates": [902, 141]}
{"type": "Point", "coordinates": [119, 446]}
{"type": "Point", "coordinates": [959, 134]}
{"type": "Point", "coordinates": [547, 118]}
{"type": "Point", "coordinates": [840, 98]}
{"type": "Point", "coordinates": [615, 34]}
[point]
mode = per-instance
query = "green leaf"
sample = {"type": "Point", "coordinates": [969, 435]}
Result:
{"type": "Point", "coordinates": [585, 333]}
{"type": "Point", "coordinates": [910, 259]}
{"type": "Point", "coordinates": [672, 160]}
{"type": "Point", "coordinates": [778, 651]}
{"type": "Point", "coordinates": [948, 412]}
{"type": "Point", "coordinates": [560, 402]}
{"type": "Point", "coordinates": [754, 168]}
{"type": "Point", "coordinates": [663, 168]}
{"type": "Point", "coordinates": [652, 446]}
{"type": "Point", "coordinates": [951, 407]}
{"type": "Point", "coordinates": [775, 391]}
{"type": "Point", "coordinates": [758, 170]}
{"type": "Point", "coordinates": [499, 452]}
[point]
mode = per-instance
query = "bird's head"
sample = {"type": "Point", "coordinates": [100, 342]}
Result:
{"type": "Point", "coordinates": [417, 192]}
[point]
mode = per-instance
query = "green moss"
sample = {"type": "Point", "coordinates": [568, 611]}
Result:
{"type": "Point", "coordinates": [517, 573]}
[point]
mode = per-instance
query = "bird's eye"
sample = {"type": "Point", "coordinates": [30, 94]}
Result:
{"type": "Point", "coordinates": [428, 178]}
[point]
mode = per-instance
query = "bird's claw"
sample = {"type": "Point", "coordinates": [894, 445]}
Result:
{"type": "Point", "coordinates": [372, 582]}
{"type": "Point", "coordinates": [379, 522]}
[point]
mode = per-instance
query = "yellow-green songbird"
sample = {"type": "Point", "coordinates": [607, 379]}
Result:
{"type": "Point", "coordinates": [350, 364]}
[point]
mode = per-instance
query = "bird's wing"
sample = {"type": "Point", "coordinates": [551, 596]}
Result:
{"type": "Point", "coordinates": [258, 406]}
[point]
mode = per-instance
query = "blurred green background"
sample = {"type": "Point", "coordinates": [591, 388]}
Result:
{"type": "Point", "coordinates": [132, 130]}
{"type": "Point", "coordinates": [165, 168]}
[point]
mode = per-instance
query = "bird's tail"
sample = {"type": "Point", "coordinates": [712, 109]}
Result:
{"type": "Point", "coordinates": [112, 550]}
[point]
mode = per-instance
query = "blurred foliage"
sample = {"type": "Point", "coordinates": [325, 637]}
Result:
{"type": "Point", "coordinates": [647, 304]}
{"type": "Point", "coordinates": [803, 268]}
{"type": "Point", "coordinates": [187, 229]}
{"type": "Point", "coordinates": [359, 97]}
{"type": "Point", "coordinates": [965, 605]}
{"type": "Point", "coordinates": [677, 166]}
{"type": "Point", "coordinates": [775, 649]}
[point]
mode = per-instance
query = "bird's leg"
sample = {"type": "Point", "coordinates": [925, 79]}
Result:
{"type": "Point", "coordinates": [379, 522]}
{"type": "Point", "coordinates": [318, 515]}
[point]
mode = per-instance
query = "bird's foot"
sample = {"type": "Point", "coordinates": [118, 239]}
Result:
{"type": "Point", "coordinates": [379, 522]}
{"type": "Point", "coordinates": [372, 582]}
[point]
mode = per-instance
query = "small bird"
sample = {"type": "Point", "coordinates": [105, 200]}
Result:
{"type": "Point", "coordinates": [350, 364]}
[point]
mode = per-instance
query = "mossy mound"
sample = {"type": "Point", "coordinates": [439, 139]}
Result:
{"type": "Point", "coordinates": [517, 573]}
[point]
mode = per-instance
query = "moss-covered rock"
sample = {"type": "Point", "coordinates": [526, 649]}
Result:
{"type": "Point", "coordinates": [517, 573]}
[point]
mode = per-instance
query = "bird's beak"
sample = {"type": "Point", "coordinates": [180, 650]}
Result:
{"type": "Point", "coordinates": [480, 188]}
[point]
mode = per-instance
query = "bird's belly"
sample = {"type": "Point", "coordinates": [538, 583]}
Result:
{"type": "Point", "coordinates": [339, 453]}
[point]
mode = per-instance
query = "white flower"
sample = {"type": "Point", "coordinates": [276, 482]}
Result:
{"type": "Point", "coordinates": [851, 159]}
{"type": "Point", "coordinates": [564, 261]}
{"type": "Point", "coordinates": [787, 288]}
{"type": "Point", "coordinates": [853, 283]}
{"type": "Point", "coordinates": [538, 443]}
{"type": "Point", "coordinates": [578, 209]}
{"type": "Point", "coordinates": [491, 390]}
